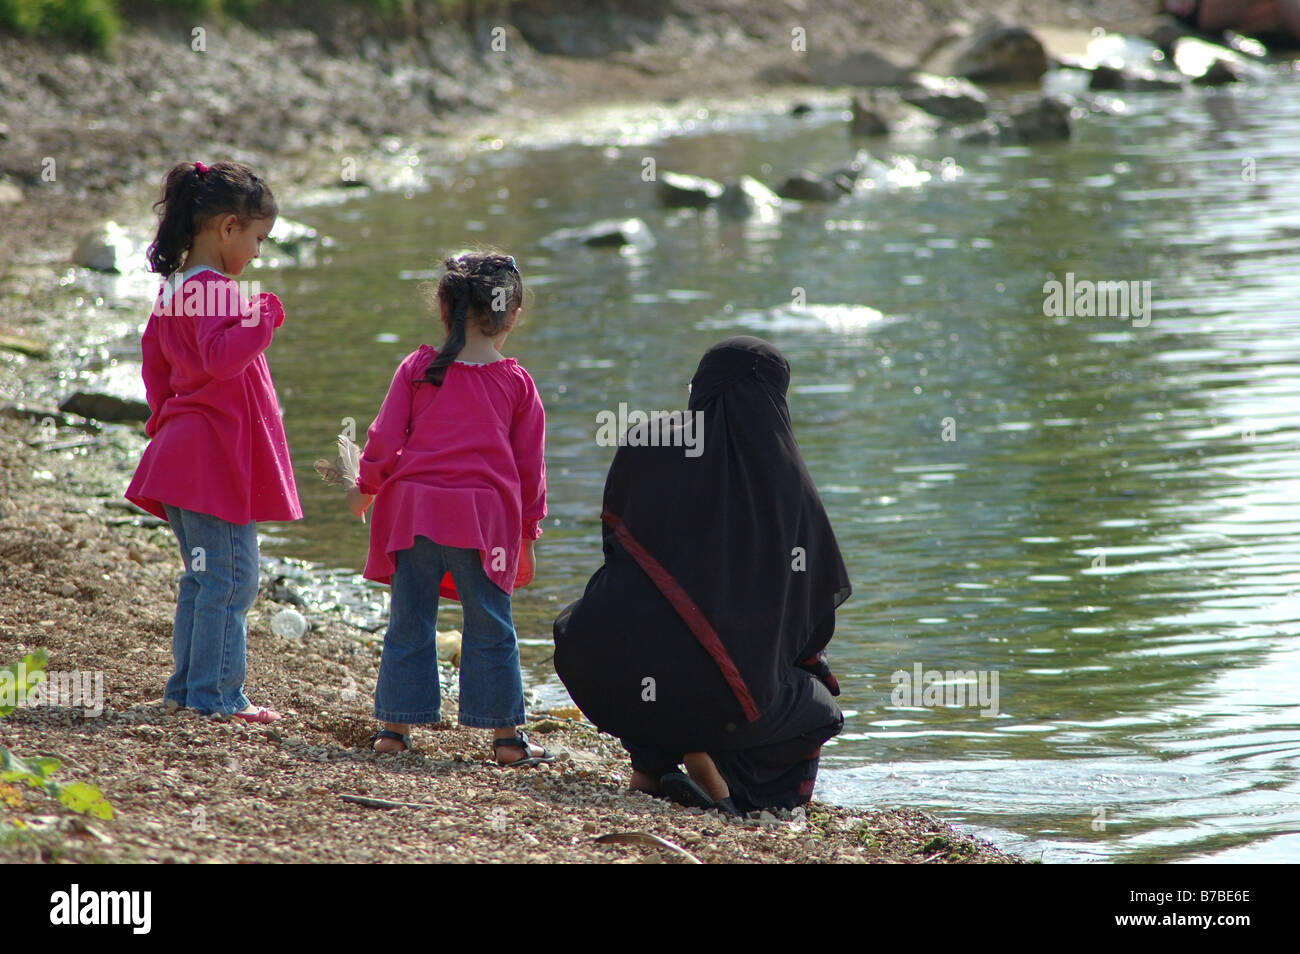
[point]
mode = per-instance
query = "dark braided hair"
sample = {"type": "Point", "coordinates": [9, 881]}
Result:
{"type": "Point", "coordinates": [192, 195]}
{"type": "Point", "coordinates": [482, 287]}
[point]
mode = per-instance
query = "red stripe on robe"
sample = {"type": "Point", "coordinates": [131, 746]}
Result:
{"type": "Point", "coordinates": [691, 614]}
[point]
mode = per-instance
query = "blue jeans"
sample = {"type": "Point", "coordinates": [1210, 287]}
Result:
{"type": "Point", "coordinates": [491, 687]}
{"type": "Point", "coordinates": [217, 590]}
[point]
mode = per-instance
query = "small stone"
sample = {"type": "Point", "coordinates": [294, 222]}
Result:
{"type": "Point", "coordinates": [289, 624]}
{"type": "Point", "coordinates": [68, 589]}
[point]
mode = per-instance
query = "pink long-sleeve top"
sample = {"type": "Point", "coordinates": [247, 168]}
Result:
{"type": "Point", "coordinates": [462, 464]}
{"type": "Point", "coordinates": [217, 439]}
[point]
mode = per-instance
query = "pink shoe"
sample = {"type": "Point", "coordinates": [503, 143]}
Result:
{"type": "Point", "coordinates": [260, 715]}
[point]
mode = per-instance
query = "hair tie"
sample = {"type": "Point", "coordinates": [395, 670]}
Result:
{"type": "Point", "coordinates": [199, 167]}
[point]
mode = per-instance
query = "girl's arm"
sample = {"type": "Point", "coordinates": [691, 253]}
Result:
{"type": "Point", "coordinates": [528, 440]}
{"type": "Point", "coordinates": [237, 331]}
{"type": "Point", "coordinates": [387, 435]}
{"type": "Point", "coordinates": [157, 376]}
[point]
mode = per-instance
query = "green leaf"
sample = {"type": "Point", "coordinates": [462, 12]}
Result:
{"type": "Point", "coordinates": [17, 678]}
{"type": "Point", "coordinates": [33, 771]}
{"type": "Point", "coordinates": [86, 798]}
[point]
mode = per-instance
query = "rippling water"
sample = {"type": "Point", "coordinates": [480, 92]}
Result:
{"type": "Point", "coordinates": [1114, 528]}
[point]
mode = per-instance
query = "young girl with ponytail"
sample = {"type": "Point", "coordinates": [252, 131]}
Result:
{"type": "Point", "coordinates": [217, 461]}
{"type": "Point", "coordinates": [454, 465]}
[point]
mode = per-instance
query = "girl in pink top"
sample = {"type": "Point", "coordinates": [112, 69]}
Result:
{"type": "Point", "coordinates": [217, 461]}
{"type": "Point", "coordinates": [454, 465]}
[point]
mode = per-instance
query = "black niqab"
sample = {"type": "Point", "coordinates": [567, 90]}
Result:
{"type": "Point", "coordinates": [721, 570]}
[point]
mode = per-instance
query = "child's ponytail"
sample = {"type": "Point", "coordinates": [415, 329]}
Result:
{"type": "Point", "coordinates": [193, 194]}
{"type": "Point", "coordinates": [455, 287]}
{"type": "Point", "coordinates": [480, 287]}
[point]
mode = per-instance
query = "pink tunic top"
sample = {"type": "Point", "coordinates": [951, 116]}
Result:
{"type": "Point", "coordinates": [462, 464]}
{"type": "Point", "coordinates": [218, 444]}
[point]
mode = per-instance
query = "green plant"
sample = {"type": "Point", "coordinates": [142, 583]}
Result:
{"type": "Point", "coordinates": [92, 22]}
{"type": "Point", "coordinates": [17, 680]}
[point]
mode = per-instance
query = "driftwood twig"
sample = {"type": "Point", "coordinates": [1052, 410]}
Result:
{"type": "Point", "coordinates": [645, 838]}
{"type": "Point", "coordinates": [385, 803]}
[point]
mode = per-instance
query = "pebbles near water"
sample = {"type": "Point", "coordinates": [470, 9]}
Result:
{"type": "Point", "coordinates": [98, 597]}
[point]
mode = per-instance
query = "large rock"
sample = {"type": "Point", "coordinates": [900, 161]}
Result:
{"type": "Point", "coordinates": [10, 194]}
{"type": "Point", "coordinates": [105, 248]}
{"type": "Point", "coordinates": [105, 407]}
{"type": "Point", "coordinates": [948, 97]}
{"type": "Point", "coordinates": [607, 233]}
{"type": "Point", "coordinates": [749, 198]}
{"type": "Point", "coordinates": [996, 53]}
{"type": "Point", "coordinates": [677, 190]}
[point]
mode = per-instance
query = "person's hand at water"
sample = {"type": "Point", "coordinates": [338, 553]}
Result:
{"type": "Point", "coordinates": [358, 502]}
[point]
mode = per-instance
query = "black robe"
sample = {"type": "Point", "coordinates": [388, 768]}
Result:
{"type": "Point", "coordinates": [703, 629]}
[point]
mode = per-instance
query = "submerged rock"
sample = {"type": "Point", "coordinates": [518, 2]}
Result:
{"type": "Point", "coordinates": [1134, 79]}
{"type": "Point", "coordinates": [866, 120]}
{"type": "Point", "coordinates": [607, 233]}
{"type": "Point", "coordinates": [105, 407]}
{"type": "Point", "coordinates": [807, 186]}
{"type": "Point", "coordinates": [948, 97]}
{"type": "Point", "coordinates": [845, 177]}
{"type": "Point", "coordinates": [1208, 64]}
{"type": "Point", "coordinates": [1043, 120]}
{"type": "Point", "coordinates": [677, 190]}
{"type": "Point", "coordinates": [296, 240]}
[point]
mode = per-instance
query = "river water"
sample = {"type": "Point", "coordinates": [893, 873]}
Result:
{"type": "Point", "coordinates": [1099, 510]}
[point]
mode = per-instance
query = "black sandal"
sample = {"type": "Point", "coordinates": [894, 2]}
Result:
{"type": "Point", "coordinates": [685, 791]}
{"type": "Point", "coordinates": [396, 736]}
{"type": "Point", "coordinates": [520, 741]}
